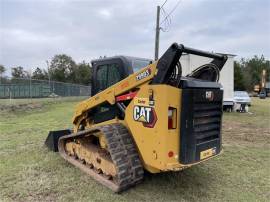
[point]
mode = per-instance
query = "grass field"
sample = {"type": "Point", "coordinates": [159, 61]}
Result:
{"type": "Point", "coordinates": [29, 172]}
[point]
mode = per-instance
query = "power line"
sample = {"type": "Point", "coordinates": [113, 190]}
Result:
{"type": "Point", "coordinates": [163, 4]}
{"type": "Point", "coordinates": [170, 12]}
{"type": "Point", "coordinates": [168, 16]}
{"type": "Point", "coordinates": [167, 23]}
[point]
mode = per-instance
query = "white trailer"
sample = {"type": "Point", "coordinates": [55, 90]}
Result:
{"type": "Point", "coordinates": [191, 62]}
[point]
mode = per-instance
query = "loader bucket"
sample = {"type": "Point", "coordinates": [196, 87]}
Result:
{"type": "Point", "coordinates": [52, 140]}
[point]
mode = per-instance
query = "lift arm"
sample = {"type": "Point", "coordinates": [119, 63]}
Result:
{"type": "Point", "coordinates": [170, 58]}
{"type": "Point", "coordinates": [156, 73]}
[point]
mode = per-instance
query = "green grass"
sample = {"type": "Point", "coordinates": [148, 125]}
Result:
{"type": "Point", "coordinates": [29, 172]}
{"type": "Point", "coordinates": [258, 114]}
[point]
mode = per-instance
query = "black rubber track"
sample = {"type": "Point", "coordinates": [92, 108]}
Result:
{"type": "Point", "coordinates": [123, 152]}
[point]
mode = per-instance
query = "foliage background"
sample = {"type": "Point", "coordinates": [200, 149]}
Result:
{"type": "Point", "coordinates": [61, 68]}
{"type": "Point", "coordinates": [247, 72]}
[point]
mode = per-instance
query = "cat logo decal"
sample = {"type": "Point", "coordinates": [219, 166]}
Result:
{"type": "Point", "coordinates": [146, 115]}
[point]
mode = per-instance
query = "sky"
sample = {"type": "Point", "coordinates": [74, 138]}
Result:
{"type": "Point", "coordinates": [33, 31]}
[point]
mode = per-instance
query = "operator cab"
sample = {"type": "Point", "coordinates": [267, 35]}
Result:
{"type": "Point", "coordinates": [108, 71]}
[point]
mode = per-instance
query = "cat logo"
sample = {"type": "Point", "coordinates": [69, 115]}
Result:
{"type": "Point", "coordinates": [142, 114]}
{"type": "Point", "coordinates": [209, 95]}
{"type": "Point", "coordinates": [146, 115]}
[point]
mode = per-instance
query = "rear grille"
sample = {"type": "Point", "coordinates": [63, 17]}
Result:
{"type": "Point", "coordinates": [206, 121]}
{"type": "Point", "coordinates": [200, 123]}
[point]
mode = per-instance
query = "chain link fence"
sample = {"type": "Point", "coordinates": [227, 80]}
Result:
{"type": "Point", "coordinates": [14, 88]}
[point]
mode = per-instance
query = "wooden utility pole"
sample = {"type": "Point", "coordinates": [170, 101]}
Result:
{"type": "Point", "coordinates": [157, 33]}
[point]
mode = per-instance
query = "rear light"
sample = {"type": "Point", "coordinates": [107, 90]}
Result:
{"type": "Point", "coordinates": [170, 154]}
{"type": "Point", "coordinates": [172, 118]}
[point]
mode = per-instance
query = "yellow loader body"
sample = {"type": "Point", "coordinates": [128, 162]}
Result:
{"type": "Point", "coordinates": [153, 119]}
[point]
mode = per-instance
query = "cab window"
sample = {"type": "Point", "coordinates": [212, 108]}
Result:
{"type": "Point", "coordinates": [113, 74]}
{"type": "Point", "coordinates": [107, 75]}
{"type": "Point", "coordinates": [138, 64]}
{"type": "Point", "coordinates": [101, 77]}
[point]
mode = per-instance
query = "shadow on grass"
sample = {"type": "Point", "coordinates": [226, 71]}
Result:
{"type": "Point", "coordinates": [187, 185]}
{"type": "Point", "coordinates": [197, 183]}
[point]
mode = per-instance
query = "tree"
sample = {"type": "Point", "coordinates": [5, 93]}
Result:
{"type": "Point", "coordinates": [252, 70]}
{"type": "Point", "coordinates": [2, 71]}
{"type": "Point", "coordinates": [62, 68]}
{"type": "Point", "coordinates": [83, 73]}
{"type": "Point", "coordinates": [19, 72]}
{"type": "Point", "coordinates": [239, 83]}
{"type": "Point", "coordinates": [40, 74]}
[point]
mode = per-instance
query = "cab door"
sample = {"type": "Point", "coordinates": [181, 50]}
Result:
{"type": "Point", "coordinates": [107, 73]}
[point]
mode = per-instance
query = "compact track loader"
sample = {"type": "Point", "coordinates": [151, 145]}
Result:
{"type": "Point", "coordinates": [152, 119]}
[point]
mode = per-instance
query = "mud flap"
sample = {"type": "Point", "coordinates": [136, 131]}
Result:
{"type": "Point", "coordinates": [52, 140]}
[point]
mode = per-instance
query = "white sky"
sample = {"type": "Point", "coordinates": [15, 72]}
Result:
{"type": "Point", "coordinates": [33, 31]}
